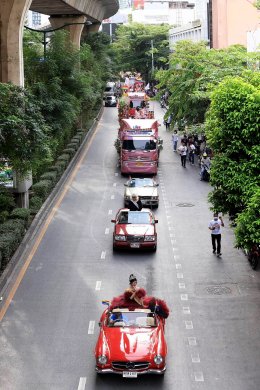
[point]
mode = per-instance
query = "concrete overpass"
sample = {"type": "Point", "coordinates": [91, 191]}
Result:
{"type": "Point", "coordinates": [12, 17]}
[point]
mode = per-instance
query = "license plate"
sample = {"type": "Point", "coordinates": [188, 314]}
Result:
{"type": "Point", "coordinates": [127, 374]}
{"type": "Point", "coordinates": [135, 245]}
{"type": "Point", "coordinates": [139, 164]}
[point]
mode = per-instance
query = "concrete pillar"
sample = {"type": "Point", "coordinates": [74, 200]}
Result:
{"type": "Point", "coordinates": [91, 28]}
{"type": "Point", "coordinates": [74, 30]}
{"type": "Point", "coordinates": [12, 15]}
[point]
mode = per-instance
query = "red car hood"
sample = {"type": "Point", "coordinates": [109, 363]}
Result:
{"type": "Point", "coordinates": [131, 229]}
{"type": "Point", "coordinates": [130, 343]}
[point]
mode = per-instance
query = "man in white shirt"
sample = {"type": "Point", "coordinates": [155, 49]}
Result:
{"type": "Point", "coordinates": [215, 227]}
{"type": "Point", "coordinates": [183, 151]}
{"type": "Point", "coordinates": [174, 140]}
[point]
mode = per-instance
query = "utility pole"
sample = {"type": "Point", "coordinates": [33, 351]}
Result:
{"type": "Point", "coordinates": [152, 56]}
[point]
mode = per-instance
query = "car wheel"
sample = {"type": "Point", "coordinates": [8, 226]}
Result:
{"type": "Point", "coordinates": [154, 248]}
{"type": "Point", "coordinates": [115, 248]}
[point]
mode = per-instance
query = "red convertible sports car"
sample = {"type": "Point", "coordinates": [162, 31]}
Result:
{"type": "Point", "coordinates": [131, 342]}
{"type": "Point", "coordinates": [135, 229]}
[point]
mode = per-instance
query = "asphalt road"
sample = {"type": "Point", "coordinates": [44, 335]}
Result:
{"type": "Point", "coordinates": [48, 333]}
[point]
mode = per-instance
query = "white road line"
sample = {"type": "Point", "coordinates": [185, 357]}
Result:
{"type": "Point", "coordinates": [198, 376]}
{"type": "Point", "coordinates": [98, 285]}
{"type": "Point", "coordinates": [107, 231]}
{"type": "Point", "coordinates": [91, 327]}
{"type": "Point", "coordinates": [176, 257]}
{"type": "Point", "coordinates": [192, 341]}
{"type": "Point", "coordinates": [173, 241]}
{"type": "Point", "coordinates": [179, 276]}
{"type": "Point", "coordinates": [182, 285]}
{"type": "Point", "coordinates": [103, 255]}
{"type": "Point", "coordinates": [82, 383]}
{"type": "Point", "coordinates": [186, 310]}
{"type": "Point", "coordinates": [168, 216]}
{"type": "Point", "coordinates": [116, 173]}
{"type": "Point", "coordinates": [112, 196]}
{"type": "Point", "coordinates": [163, 189]}
{"type": "Point", "coordinates": [195, 357]}
{"type": "Point", "coordinates": [175, 249]}
{"type": "Point", "coordinates": [188, 324]}
{"type": "Point", "coordinates": [178, 266]}
{"type": "Point", "coordinates": [109, 212]}
{"type": "Point", "coordinates": [114, 184]}
{"type": "Point", "coordinates": [184, 297]}
{"type": "Point", "coordinates": [170, 228]}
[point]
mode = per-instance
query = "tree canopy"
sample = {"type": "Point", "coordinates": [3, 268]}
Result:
{"type": "Point", "coordinates": [135, 44]}
{"type": "Point", "coordinates": [194, 71]}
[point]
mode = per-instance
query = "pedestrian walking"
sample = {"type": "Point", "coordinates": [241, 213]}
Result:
{"type": "Point", "coordinates": [191, 152]}
{"type": "Point", "coordinates": [183, 152]}
{"type": "Point", "coordinates": [168, 122]}
{"type": "Point", "coordinates": [215, 227]}
{"type": "Point", "coordinates": [175, 138]}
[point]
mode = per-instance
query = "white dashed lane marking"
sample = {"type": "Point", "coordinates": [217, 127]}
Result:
{"type": "Point", "coordinates": [192, 341]}
{"type": "Point", "coordinates": [182, 285]}
{"type": "Point", "coordinates": [176, 257]}
{"type": "Point", "coordinates": [103, 255]}
{"type": "Point", "coordinates": [184, 297]}
{"type": "Point", "coordinates": [188, 324]}
{"type": "Point", "coordinates": [109, 212]}
{"type": "Point", "coordinates": [195, 358]}
{"type": "Point", "coordinates": [91, 327]}
{"type": "Point", "coordinates": [82, 383]}
{"type": "Point", "coordinates": [112, 196]}
{"type": "Point", "coordinates": [107, 231]}
{"type": "Point", "coordinates": [98, 285]}
{"type": "Point", "coordinates": [179, 275]}
{"type": "Point", "coordinates": [114, 184]}
{"type": "Point", "coordinates": [198, 376]}
{"type": "Point", "coordinates": [186, 310]}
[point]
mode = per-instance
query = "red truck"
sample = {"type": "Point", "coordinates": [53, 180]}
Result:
{"type": "Point", "coordinates": [139, 146]}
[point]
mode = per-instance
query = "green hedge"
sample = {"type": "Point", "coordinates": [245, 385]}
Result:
{"type": "Point", "coordinates": [61, 165]}
{"type": "Point", "coordinates": [70, 151]}
{"type": "Point", "coordinates": [73, 144]}
{"type": "Point", "coordinates": [35, 204]}
{"type": "Point", "coordinates": [64, 157]}
{"type": "Point", "coordinates": [42, 188]}
{"type": "Point", "coordinates": [16, 226]}
{"type": "Point", "coordinates": [8, 245]}
{"type": "Point", "coordinates": [21, 214]}
{"type": "Point", "coordinates": [52, 176]}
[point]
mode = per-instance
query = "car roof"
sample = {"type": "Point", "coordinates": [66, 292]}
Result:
{"type": "Point", "coordinates": [144, 210]}
{"type": "Point", "coordinates": [140, 123]}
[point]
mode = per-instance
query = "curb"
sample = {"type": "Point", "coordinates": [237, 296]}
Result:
{"type": "Point", "coordinates": [22, 251]}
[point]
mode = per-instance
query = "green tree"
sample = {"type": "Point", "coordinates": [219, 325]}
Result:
{"type": "Point", "coordinates": [194, 71]}
{"type": "Point", "coordinates": [133, 48]}
{"type": "Point", "coordinates": [232, 128]}
{"type": "Point", "coordinates": [24, 134]}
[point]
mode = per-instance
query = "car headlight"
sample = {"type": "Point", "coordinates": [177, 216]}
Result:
{"type": "Point", "coordinates": [158, 359]}
{"type": "Point", "coordinates": [149, 238]}
{"type": "Point", "coordinates": [153, 163]}
{"type": "Point", "coordinates": [154, 197]}
{"type": "Point", "coordinates": [102, 359]}
{"type": "Point", "coordinates": [120, 237]}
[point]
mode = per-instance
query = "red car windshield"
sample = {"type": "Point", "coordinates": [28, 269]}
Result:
{"type": "Point", "coordinates": [131, 318]}
{"type": "Point", "coordinates": [136, 144]}
{"type": "Point", "coordinates": [135, 217]}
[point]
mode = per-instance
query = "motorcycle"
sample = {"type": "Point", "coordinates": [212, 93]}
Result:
{"type": "Point", "coordinates": [205, 174]}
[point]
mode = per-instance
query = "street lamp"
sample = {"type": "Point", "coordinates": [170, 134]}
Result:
{"type": "Point", "coordinates": [152, 56]}
{"type": "Point", "coordinates": [46, 32]}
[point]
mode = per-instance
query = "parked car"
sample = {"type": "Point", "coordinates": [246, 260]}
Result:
{"type": "Point", "coordinates": [135, 229]}
{"type": "Point", "coordinates": [110, 101]}
{"type": "Point", "coordinates": [145, 188]}
{"type": "Point", "coordinates": [131, 343]}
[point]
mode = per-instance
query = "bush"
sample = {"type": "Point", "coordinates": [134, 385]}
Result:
{"type": "Point", "coordinates": [61, 165]}
{"type": "Point", "coordinates": [64, 157]}
{"type": "Point", "coordinates": [74, 145]}
{"type": "Point", "coordinates": [70, 151]}
{"type": "Point", "coordinates": [6, 200]}
{"type": "Point", "coordinates": [77, 137]}
{"type": "Point", "coordinates": [35, 204]}
{"type": "Point", "coordinates": [75, 140]}
{"type": "Point", "coordinates": [3, 216]}
{"type": "Point", "coordinates": [42, 188]}
{"type": "Point", "coordinates": [21, 214]}
{"type": "Point", "coordinates": [52, 176]}
{"type": "Point", "coordinates": [8, 245]}
{"type": "Point", "coordinates": [14, 226]}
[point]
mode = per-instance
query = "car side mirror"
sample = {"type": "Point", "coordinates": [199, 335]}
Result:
{"type": "Point", "coordinates": [157, 184]}
{"type": "Point", "coordinates": [99, 324]}
{"type": "Point", "coordinates": [125, 184]}
{"type": "Point", "coordinates": [113, 220]}
{"type": "Point", "coordinates": [156, 221]}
